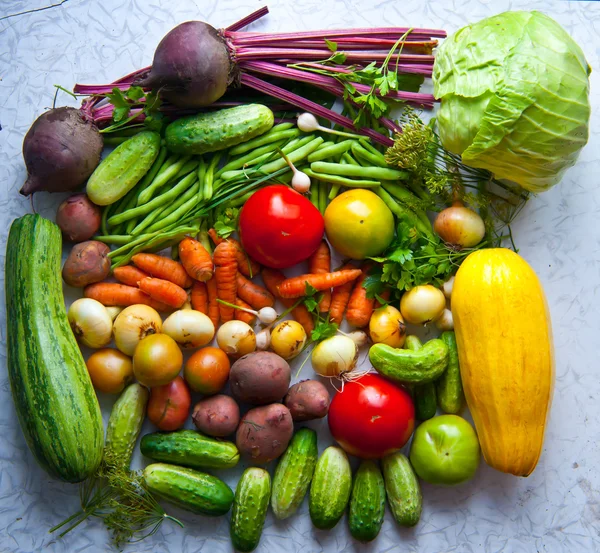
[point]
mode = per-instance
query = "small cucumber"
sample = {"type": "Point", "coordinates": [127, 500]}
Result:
{"type": "Point", "coordinates": [121, 170]}
{"type": "Point", "coordinates": [218, 130]}
{"type": "Point", "coordinates": [402, 489]}
{"type": "Point", "coordinates": [330, 488]}
{"type": "Point", "coordinates": [294, 473]}
{"type": "Point", "coordinates": [190, 448]}
{"type": "Point", "coordinates": [423, 394]}
{"type": "Point", "coordinates": [124, 424]}
{"type": "Point", "coordinates": [407, 366]}
{"type": "Point", "coordinates": [250, 509]}
{"type": "Point", "coordinates": [189, 489]}
{"type": "Point", "coordinates": [367, 503]}
{"type": "Point", "coordinates": [450, 394]}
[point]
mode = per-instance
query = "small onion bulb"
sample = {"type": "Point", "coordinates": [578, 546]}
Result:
{"type": "Point", "coordinates": [91, 322]}
{"type": "Point", "coordinates": [445, 320]}
{"type": "Point", "coordinates": [189, 328]}
{"type": "Point", "coordinates": [307, 122]}
{"type": "Point", "coordinates": [267, 315]}
{"type": "Point", "coordinates": [359, 337]}
{"type": "Point", "coordinates": [300, 181]}
{"type": "Point", "coordinates": [447, 287]}
{"type": "Point", "coordinates": [133, 324]}
{"type": "Point", "coordinates": [460, 226]}
{"type": "Point", "coordinates": [387, 327]}
{"type": "Point", "coordinates": [263, 340]}
{"type": "Point", "coordinates": [288, 339]}
{"type": "Point", "coordinates": [236, 338]}
{"type": "Point", "coordinates": [335, 356]}
{"type": "Point", "coordinates": [422, 304]}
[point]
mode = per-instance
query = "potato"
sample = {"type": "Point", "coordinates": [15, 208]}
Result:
{"type": "Point", "coordinates": [265, 432]}
{"type": "Point", "coordinates": [307, 400]}
{"type": "Point", "coordinates": [87, 263]}
{"type": "Point", "coordinates": [216, 415]}
{"type": "Point", "coordinates": [259, 378]}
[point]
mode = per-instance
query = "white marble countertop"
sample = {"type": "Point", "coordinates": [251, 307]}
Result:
{"type": "Point", "coordinates": [556, 509]}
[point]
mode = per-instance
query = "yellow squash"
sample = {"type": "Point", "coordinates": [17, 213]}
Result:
{"type": "Point", "coordinates": [506, 356]}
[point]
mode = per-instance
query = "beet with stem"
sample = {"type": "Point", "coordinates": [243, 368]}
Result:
{"type": "Point", "coordinates": [61, 150]}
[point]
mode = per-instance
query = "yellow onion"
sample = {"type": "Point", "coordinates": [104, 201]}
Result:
{"type": "Point", "coordinates": [90, 322]}
{"type": "Point", "coordinates": [335, 356]}
{"type": "Point", "coordinates": [445, 320]}
{"type": "Point", "coordinates": [288, 339]}
{"type": "Point", "coordinates": [133, 324]}
{"type": "Point", "coordinates": [113, 311]}
{"type": "Point", "coordinates": [422, 304]}
{"type": "Point", "coordinates": [460, 226]}
{"type": "Point", "coordinates": [236, 338]}
{"type": "Point", "coordinates": [189, 328]}
{"type": "Point", "coordinates": [387, 327]}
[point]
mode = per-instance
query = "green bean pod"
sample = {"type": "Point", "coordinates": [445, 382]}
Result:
{"type": "Point", "coordinates": [329, 150]}
{"type": "Point", "coordinates": [380, 173]}
{"type": "Point", "coordinates": [274, 135]}
{"type": "Point", "coordinates": [162, 178]}
{"type": "Point", "coordinates": [342, 181]}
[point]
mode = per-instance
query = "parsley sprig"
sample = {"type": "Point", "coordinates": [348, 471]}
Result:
{"type": "Point", "coordinates": [132, 98]}
{"type": "Point", "coordinates": [323, 327]}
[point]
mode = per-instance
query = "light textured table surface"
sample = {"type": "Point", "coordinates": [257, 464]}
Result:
{"type": "Point", "coordinates": [556, 509]}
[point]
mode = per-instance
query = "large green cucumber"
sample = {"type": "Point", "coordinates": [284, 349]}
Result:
{"type": "Point", "coordinates": [217, 130]}
{"type": "Point", "coordinates": [402, 489]}
{"type": "Point", "coordinates": [250, 508]}
{"type": "Point", "coordinates": [53, 394]}
{"type": "Point", "coordinates": [190, 489]}
{"type": "Point", "coordinates": [294, 473]}
{"type": "Point", "coordinates": [190, 448]}
{"type": "Point", "coordinates": [367, 503]}
{"type": "Point", "coordinates": [330, 488]}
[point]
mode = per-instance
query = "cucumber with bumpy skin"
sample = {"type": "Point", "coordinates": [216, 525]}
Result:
{"type": "Point", "coordinates": [424, 395]}
{"type": "Point", "coordinates": [450, 395]}
{"type": "Point", "coordinates": [367, 503]}
{"type": "Point", "coordinates": [402, 489]}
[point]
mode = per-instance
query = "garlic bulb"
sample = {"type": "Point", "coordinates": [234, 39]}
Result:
{"type": "Point", "coordinates": [91, 323]}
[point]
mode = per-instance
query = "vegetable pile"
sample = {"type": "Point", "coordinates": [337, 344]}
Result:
{"type": "Point", "coordinates": [182, 237]}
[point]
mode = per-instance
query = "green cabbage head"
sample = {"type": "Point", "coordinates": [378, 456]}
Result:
{"type": "Point", "coordinates": [514, 97]}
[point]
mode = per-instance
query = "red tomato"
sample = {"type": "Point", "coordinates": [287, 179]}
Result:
{"type": "Point", "coordinates": [169, 405]}
{"type": "Point", "coordinates": [371, 417]}
{"type": "Point", "coordinates": [280, 227]}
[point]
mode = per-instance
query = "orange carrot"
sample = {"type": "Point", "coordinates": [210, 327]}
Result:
{"type": "Point", "coordinates": [360, 308]}
{"type": "Point", "coordinates": [163, 267]}
{"type": "Point", "coordinates": [339, 298]}
{"type": "Point", "coordinates": [295, 287]}
{"type": "Point", "coordinates": [112, 293]}
{"type": "Point", "coordinates": [240, 315]}
{"type": "Point", "coordinates": [128, 274]}
{"type": "Point", "coordinates": [199, 297]}
{"type": "Point", "coordinates": [196, 261]}
{"type": "Point", "coordinates": [213, 304]}
{"type": "Point", "coordinates": [226, 275]}
{"type": "Point", "coordinates": [320, 263]}
{"type": "Point", "coordinates": [253, 294]}
{"type": "Point", "coordinates": [272, 278]}
{"type": "Point", "coordinates": [247, 266]}
{"type": "Point", "coordinates": [164, 291]}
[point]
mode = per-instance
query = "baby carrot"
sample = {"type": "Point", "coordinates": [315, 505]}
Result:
{"type": "Point", "coordinates": [295, 287]}
{"type": "Point", "coordinates": [253, 294]}
{"type": "Point", "coordinates": [162, 267]}
{"type": "Point", "coordinates": [226, 268]}
{"type": "Point", "coordinates": [199, 297]}
{"type": "Point", "coordinates": [272, 278]}
{"type": "Point", "coordinates": [247, 266]}
{"type": "Point", "coordinates": [213, 305]}
{"type": "Point", "coordinates": [128, 274]}
{"type": "Point", "coordinates": [196, 261]}
{"type": "Point", "coordinates": [339, 299]}
{"type": "Point", "coordinates": [320, 263]}
{"type": "Point", "coordinates": [244, 316]}
{"type": "Point", "coordinates": [121, 295]}
{"type": "Point", "coordinates": [164, 291]}
{"type": "Point", "coordinates": [360, 308]}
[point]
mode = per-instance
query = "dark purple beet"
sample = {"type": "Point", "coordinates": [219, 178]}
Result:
{"type": "Point", "coordinates": [61, 150]}
{"type": "Point", "coordinates": [191, 66]}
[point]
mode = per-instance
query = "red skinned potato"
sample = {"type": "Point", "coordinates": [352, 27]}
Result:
{"type": "Point", "coordinates": [307, 400]}
{"type": "Point", "coordinates": [78, 218]}
{"type": "Point", "coordinates": [217, 416]}
{"type": "Point", "coordinates": [259, 378]}
{"type": "Point", "coordinates": [87, 263]}
{"type": "Point", "coordinates": [264, 433]}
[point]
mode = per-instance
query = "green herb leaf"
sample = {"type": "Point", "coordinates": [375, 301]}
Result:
{"type": "Point", "coordinates": [309, 290]}
{"type": "Point", "coordinates": [331, 45]}
{"type": "Point", "coordinates": [323, 330]}
{"type": "Point", "coordinates": [134, 93]}
{"type": "Point", "coordinates": [227, 222]}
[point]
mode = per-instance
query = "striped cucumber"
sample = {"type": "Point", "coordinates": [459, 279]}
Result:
{"type": "Point", "coordinates": [330, 488]}
{"type": "Point", "coordinates": [294, 473]}
{"type": "Point", "coordinates": [402, 489]}
{"type": "Point", "coordinates": [450, 395]}
{"type": "Point", "coordinates": [250, 508]}
{"type": "Point", "coordinates": [124, 424]}
{"type": "Point", "coordinates": [51, 388]}
{"type": "Point", "coordinates": [367, 503]}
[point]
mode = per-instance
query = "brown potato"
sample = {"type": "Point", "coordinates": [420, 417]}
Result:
{"type": "Point", "coordinates": [307, 400]}
{"type": "Point", "coordinates": [216, 415]}
{"type": "Point", "coordinates": [87, 263]}
{"type": "Point", "coordinates": [259, 378]}
{"type": "Point", "coordinates": [264, 433]}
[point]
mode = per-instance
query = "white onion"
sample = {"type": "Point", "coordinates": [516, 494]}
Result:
{"type": "Point", "coordinates": [307, 122]}
{"type": "Point", "coordinates": [288, 339]}
{"type": "Point", "coordinates": [189, 328]}
{"type": "Point", "coordinates": [91, 322]}
{"type": "Point", "coordinates": [335, 356]}
{"type": "Point", "coordinates": [445, 320]}
{"type": "Point", "coordinates": [133, 324]}
{"type": "Point", "coordinates": [236, 338]}
{"type": "Point", "coordinates": [447, 287]}
{"type": "Point", "coordinates": [267, 315]}
{"type": "Point", "coordinates": [113, 311]}
{"type": "Point", "coordinates": [387, 327]}
{"type": "Point", "coordinates": [422, 304]}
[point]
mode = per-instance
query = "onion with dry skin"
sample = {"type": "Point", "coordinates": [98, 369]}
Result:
{"type": "Point", "coordinates": [422, 304]}
{"type": "Point", "coordinates": [133, 324]}
{"type": "Point", "coordinates": [459, 226]}
{"type": "Point", "coordinates": [334, 357]}
{"type": "Point", "coordinates": [387, 327]}
{"type": "Point", "coordinates": [236, 338]}
{"type": "Point", "coordinates": [288, 339]}
{"type": "Point", "coordinates": [91, 323]}
{"type": "Point", "coordinates": [189, 328]}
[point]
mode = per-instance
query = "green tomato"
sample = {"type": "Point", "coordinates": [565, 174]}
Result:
{"type": "Point", "coordinates": [445, 450]}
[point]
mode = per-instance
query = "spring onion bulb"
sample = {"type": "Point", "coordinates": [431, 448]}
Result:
{"type": "Point", "coordinates": [300, 180]}
{"type": "Point", "coordinates": [445, 320]}
{"type": "Point", "coordinates": [307, 122]}
{"type": "Point", "coordinates": [265, 315]}
{"type": "Point", "coordinates": [263, 339]}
